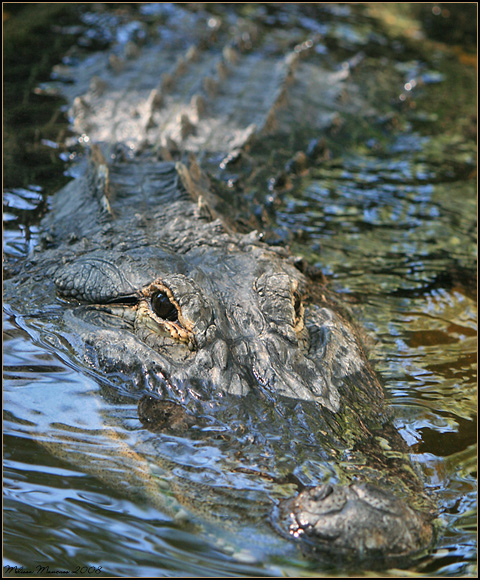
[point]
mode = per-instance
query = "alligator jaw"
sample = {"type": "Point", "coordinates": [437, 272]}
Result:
{"type": "Point", "coordinates": [358, 523]}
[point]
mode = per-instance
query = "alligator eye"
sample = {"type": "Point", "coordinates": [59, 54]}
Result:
{"type": "Point", "coordinates": [163, 307]}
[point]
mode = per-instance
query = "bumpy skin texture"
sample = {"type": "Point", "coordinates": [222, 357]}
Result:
{"type": "Point", "coordinates": [159, 286]}
{"type": "Point", "coordinates": [355, 521]}
{"type": "Point", "coordinates": [240, 321]}
{"type": "Point", "coordinates": [195, 312]}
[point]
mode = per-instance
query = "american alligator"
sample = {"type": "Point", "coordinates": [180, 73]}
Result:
{"type": "Point", "coordinates": [231, 346]}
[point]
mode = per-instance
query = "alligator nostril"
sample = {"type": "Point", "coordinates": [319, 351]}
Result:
{"type": "Point", "coordinates": [163, 308]}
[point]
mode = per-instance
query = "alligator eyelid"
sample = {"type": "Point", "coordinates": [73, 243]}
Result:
{"type": "Point", "coordinates": [175, 328]}
{"type": "Point", "coordinates": [162, 306]}
{"type": "Point", "coordinates": [170, 313]}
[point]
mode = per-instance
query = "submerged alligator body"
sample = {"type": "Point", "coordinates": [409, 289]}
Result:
{"type": "Point", "coordinates": [228, 345]}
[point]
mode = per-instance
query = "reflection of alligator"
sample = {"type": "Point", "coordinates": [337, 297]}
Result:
{"type": "Point", "coordinates": [226, 340]}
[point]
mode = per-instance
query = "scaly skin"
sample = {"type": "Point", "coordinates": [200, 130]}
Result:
{"type": "Point", "coordinates": [214, 326]}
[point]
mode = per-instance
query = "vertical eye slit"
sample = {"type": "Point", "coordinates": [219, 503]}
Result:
{"type": "Point", "coordinates": [163, 308]}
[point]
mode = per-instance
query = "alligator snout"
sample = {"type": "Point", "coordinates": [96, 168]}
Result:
{"type": "Point", "coordinates": [359, 523]}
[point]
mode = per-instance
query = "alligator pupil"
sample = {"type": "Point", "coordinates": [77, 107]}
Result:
{"type": "Point", "coordinates": [163, 307]}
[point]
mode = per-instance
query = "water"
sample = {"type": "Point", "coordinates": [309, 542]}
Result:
{"type": "Point", "coordinates": [390, 217]}
{"type": "Point", "coordinates": [406, 254]}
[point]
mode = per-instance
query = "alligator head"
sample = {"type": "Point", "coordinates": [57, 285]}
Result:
{"type": "Point", "coordinates": [233, 320]}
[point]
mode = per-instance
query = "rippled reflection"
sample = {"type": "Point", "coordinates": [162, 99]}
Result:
{"type": "Point", "coordinates": [399, 239]}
